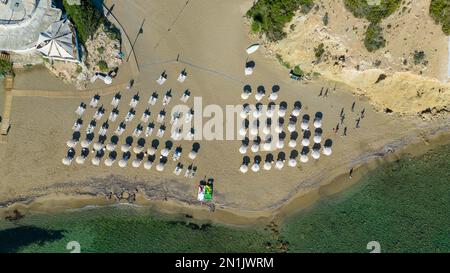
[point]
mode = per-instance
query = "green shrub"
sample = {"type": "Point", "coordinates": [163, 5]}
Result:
{"type": "Point", "coordinates": [440, 12]}
{"type": "Point", "coordinates": [86, 18]}
{"type": "Point", "coordinates": [103, 66]}
{"type": "Point", "coordinates": [298, 71]}
{"type": "Point", "coordinates": [374, 37]}
{"type": "Point", "coordinates": [374, 14]}
{"type": "Point", "coordinates": [419, 57]}
{"type": "Point", "coordinates": [270, 16]}
{"type": "Point", "coordinates": [101, 50]}
{"type": "Point", "coordinates": [319, 51]}
{"type": "Point", "coordinates": [283, 62]}
{"type": "Point", "coordinates": [325, 19]}
{"type": "Point", "coordinates": [5, 67]}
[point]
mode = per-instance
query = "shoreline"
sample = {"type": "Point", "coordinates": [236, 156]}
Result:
{"type": "Point", "coordinates": [334, 182]}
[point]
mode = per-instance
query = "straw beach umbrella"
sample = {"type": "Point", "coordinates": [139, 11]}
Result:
{"type": "Point", "coordinates": [182, 76]}
{"type": "Point", "coordinates": [280, 161]}
{"type": "Point", "coordinates": [116, 100]}
{"type": "Point", "coordinates": [111, 159]}
{"type": "Point", "coordinates": [327, 147]}
{"type": "Point", "coordinates": [246, 92]}
{"type": "Point", "coordinates": [162, 78]}
{"type": "Point", "coordinates": [293, 158]}
{"type": "Point", "coordinates": [177, 153]}
{"type": "Point", "coordinates": [194, 152]}
{"type": "Point", "coordinates": [111, 146]}
{"type": "Point", "coordinates": [305, 122]}
{"type": "Point", "coordinates": [318, 135]}
{"type": "Point", "coordinates": [149, 130]}
{"type": "Point", "coordinates": [297, 109]}
{"type": "Point", "coordinates": [186, 95]}
{"type": "Point", "coordinates": [293, 140]}
{"type": "Point", "coordinates": [281, 138]}
{"type": "Point", "coordinates": [124, 161]}
{"type": "Point", "coordinates": [270, 109]}
{"type": "Point", "coordinates": [149, 163]}
{"type": "Point", "coordinates": [88, 141]}
{"type": "Point", "coordinates": [244, 146]}
{"type": "Point", "coordinates": [268, 162]}
{"type": "Point", "coordinates": [138, 130]}
{"type": "Point", "coordinates": [304, 155]}
{"type": "Point", "coordinates": [178, 169]}
{"type": "Point", "coordinates": [256, 162]}
{"type": "Point", "coordinates": [134, 100]}
{"type": "Point", "coordinates": [244, 165]}
{"type": "Point", "coordinates": [282, 109]}
{"type": "Point", "coordinates": [316, 151]}
{"type": "Point", "coordinates": [260, 93]}
{"type": "Point", "coordinates": [167, 97]}
{"type": "Point", "coordinates": [69, 158]}
{"type": "Point", "coordinates": [94, 101]}
{"type": "Point", "coordinates": [130, 115]}
{"type": "Point", "coordinates": [306, 137]}
{"type": "Point", "coordinates": [120, 129]}
{"type": "Point", "coordinates": [80, 109]}
{"type": "Point", "coordinates": [113, 115]}
{"type": "Point", "coordinates": [153, 98]}
{"type": "Point", "coordinates": [154, 147]}
{"type": "Point", "coordinates": [127, 146]}
{"type": "Point", "coordinates": [99, 113]}
{"type": "Point", "coordinates": [161, 131]}
{"type": "Point", "coordinates": [318, 120]}
{"type": "Point", "coordinates": [138, 161]}
{"type": "Point", "coordinates": [75, 138]}
{"type": "Point", "coordinates": [140, 146]}
{"type": "Point", "coordinates": [146, 115]}
{"type": "Point", "coordinates": [274, 94]}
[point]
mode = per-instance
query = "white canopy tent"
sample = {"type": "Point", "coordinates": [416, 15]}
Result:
{"type": "Point", "coordinates": [59, 42]}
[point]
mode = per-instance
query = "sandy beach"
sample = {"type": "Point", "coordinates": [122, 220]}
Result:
{"type": "Point", "coordinates": [210, 38]}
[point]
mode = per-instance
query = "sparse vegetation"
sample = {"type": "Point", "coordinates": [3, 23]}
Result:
{"type": "Point", "coordinates": [319, 51]}
{"type": "Point", "coordinates": [325, 19]}
{"type": "Point", "coordinates": [86, 18]}
{"type": "Point", "coordinates": [374, 38]}
{"type": "Point", "coordinates": [103, 66]}
{"type": "Point", "coordinates": [298, 71]}
{"type": "Point", "coordinates": [374, 14]}
{"type": "Point", "coordinates": [270, 16]}
{"type": "Point", "coordinates": [101, 50]}
{"type": "Point", "coordinates": [440, 12]}
{"type": "Point", "coordinates": [419, 57]}
{"type": "Point", "coordinates": [5, 67]}
{"type": "Point", "coordinates": [283, 62]}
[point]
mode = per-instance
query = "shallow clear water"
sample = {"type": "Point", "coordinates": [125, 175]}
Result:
{"type": "Point", "coordinates": [403, 205]}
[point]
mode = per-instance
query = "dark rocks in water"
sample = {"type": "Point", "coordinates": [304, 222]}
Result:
{"type": "Point", "coordinates": [381, 78]}
{"type": "Point", "coordinates": [16, 215]}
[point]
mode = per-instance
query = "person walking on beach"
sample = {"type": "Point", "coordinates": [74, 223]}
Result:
{"type": "Point", "coordinates": [351, 173]}
{"type": "Point", "coordinates": [342, 119]}
{"type": "Point", "coordinates": [363, 112]}
{"type": "Point", "coordinates": [337, 128]}
{"type": "Point", "coordinates": [353, 106]}
{"type": "Point", "coordinates": [357, 122]}
{"type": "Point", "coordinates": [342, 112]}
{"type": "Point", "coordinates": [345, 131]}
{"type": "Point", "coordinates": [321, 92]}
{"type": "Point", "coordinates": [326, 94]}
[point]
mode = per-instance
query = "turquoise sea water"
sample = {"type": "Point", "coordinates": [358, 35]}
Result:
{"type": "Point", "coordinates": [404, 205]}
